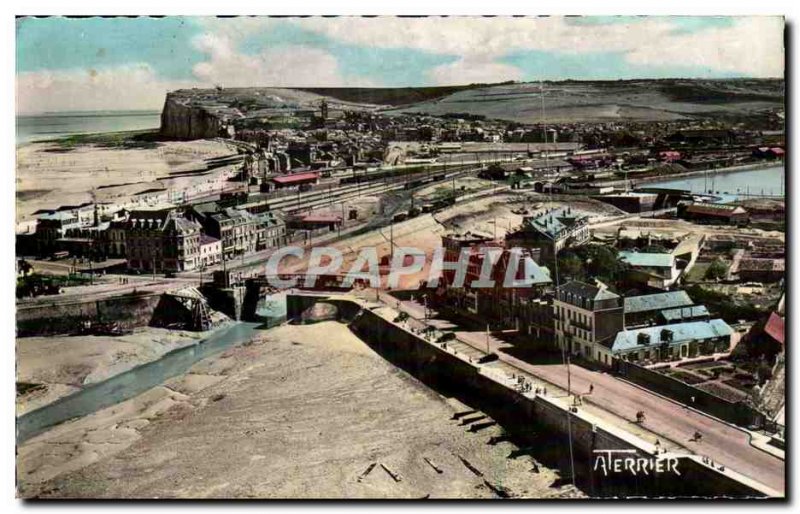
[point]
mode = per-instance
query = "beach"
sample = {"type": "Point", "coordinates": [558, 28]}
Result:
{"type": "Point", "coordinates": [301, 412]}
{"type": "Point", "coordinates": [53, 174]}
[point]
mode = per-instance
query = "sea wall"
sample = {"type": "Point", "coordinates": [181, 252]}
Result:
{"type": "Point", "coordinates": [538, 422]}
{"type": "Point", "coordinates": [128, 311]}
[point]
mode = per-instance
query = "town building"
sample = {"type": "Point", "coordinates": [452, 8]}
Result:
{"type": "Point", "coordinates": [162, 241]}
{"type": "Point", "coordinates": [237, 229]}
{"type": "Point", "coordinates": [315, 222]}
{"type": "Point", "coordinates": [668, 342]}
{"type": "Point", "coordinates": [53, 226]}
{"type": "Point", "coordinates": [759, 269]}
{"type": "Point", "coordinates": [644, 309]}
{"type": "Point", "coordinates": [508, 307]}
{"type": "Point", "coordinates": [271, 230]}
{"type": "Point", "coordinates": [524, 308]}
{"type": "Point", "coordinates": [210, 251]}
{"type": "Point", "coordinates": [656, 270]}
{"type": "Point", "coordinates": [714, 213]}
{"type": "Point", "coordinates": [550, 231]}
{"type": "Point", "coordinates": [684, 314]}
{"type": "Point", "coordinates": [630, 201]}
{"type": "Point", "coordinates": [301, 180]}
{"type": "Point", "coordinates": [453, 243]}
{"type": "Point", "coordinates": [586, 316]}
{"type": "Point", "coordinates": [115, 238]}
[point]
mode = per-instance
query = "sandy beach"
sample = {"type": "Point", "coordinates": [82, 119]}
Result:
{"type": "Point", "coordinates": [58, 366]}
{"type": "Point", "coordinates": [303, 411]}
{"type": "Point", "coordinates": [50, 174]}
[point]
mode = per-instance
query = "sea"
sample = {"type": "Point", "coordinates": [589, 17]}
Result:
{"type": "Point", "coordinates": [46, 126]}
{"type": "Point", "coordinates": [767, 181]}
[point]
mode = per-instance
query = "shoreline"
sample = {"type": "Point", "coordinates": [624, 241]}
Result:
{"type": "Point", "coordinates": [60, 137]}
{"type": "Point", "coordinates": [715, 171]}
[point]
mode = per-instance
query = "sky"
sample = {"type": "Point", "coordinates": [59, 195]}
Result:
{"type": "Point", "coordinates": [85, 64]}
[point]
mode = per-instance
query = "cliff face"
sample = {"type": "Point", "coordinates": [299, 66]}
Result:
{"type": "Point", "coordinates": [182, 121]}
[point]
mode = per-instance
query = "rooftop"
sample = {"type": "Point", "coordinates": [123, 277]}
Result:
{"type": "Point", "coordinates": [657, 302]}
{"type": "Point", "coordinates": [553, 222]}
{"type": "Point", "coordinates": [587, 291]}
{"type": "Point", "coordinates": [648, 260]}
{"type": "Point", "coordinates": [681, 333]}
{"type": "Point", "coordinates": [775, 327]}
{"type": "Point", "coordinates": [321, 218]}
{"type": "Point", "coordinates": [715, 209]}
{"type": "Point", "coordinates": [690, 312]}
{"type": "Point", "coordinates": [750, 264]}
{"type": "Point", "coordinates": [205, 239]}
{"type": "Point", "coordinates": [296, 177]}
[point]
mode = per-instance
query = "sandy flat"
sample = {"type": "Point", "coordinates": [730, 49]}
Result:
{"type": "Point", "coordinates": [48, 177]}
{"type": "Point", "coordinates": [64, 364]}
{"type": "Point", "coordinates": [302, 413]}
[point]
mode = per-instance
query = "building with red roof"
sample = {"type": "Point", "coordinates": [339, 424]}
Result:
{"type": "Point", "coordinates": [775, 328]}
{"type": "Point", "coordinates": [296, 179]}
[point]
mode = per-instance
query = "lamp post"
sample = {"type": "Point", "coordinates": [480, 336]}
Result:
{"type": "Point", "coordinates": [565, 357]}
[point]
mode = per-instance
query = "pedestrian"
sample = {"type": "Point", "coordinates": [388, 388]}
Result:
{"type": "Point", "coordinates": [591, 388]}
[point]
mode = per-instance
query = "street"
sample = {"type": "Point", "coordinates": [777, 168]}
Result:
{"type": "Point", "coordinates": [721, 442]}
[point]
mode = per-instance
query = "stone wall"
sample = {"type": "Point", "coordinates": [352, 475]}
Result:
{"type": "Point", "coordinates": [128, 311]}
{"type": "Point", "coordinates": [732, 412]}
{"type": "Point", "coordinates": [538, 422]}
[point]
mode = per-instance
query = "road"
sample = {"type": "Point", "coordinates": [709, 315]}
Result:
{"type": "Point", "coordinates": [723, 443]}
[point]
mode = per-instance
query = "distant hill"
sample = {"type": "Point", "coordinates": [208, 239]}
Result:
{"type": "Point", "coordinates": [192, 113]}
{"type": "Point", "coordinates": [624, 100]}
{"type": "Point", "coordinates": [392, 95]}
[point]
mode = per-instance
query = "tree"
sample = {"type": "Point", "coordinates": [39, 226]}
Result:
{"type": "Point", "coordinates": [717, 270]}
{"type": "Point", "coordinates": [570, 267]}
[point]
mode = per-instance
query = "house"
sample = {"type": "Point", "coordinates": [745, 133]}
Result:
{"type": "Point", "coordinates": [312, 221]}
{"type": "Point", "coordinates": [455, 243]}
{"type": "Point", "coordinates": [161, 241]}
{"type": "Point", "coordinates": [296, 180]}
{"type": "Point", "coordinates": [523, 307]}
{"type": "Point", "coordinates": [760, 269]}
{"type": "Point", "coordinates": [550, 231]}
{"type": "Point", "coordinates": [656, 270]}
{"type": "Point", "coordinates": [236, 228]}
{"type": "Point", "coordinates": [586, 316]}
{"type": "Point", "coordinates": [765, 152]}
{"type": "Point", "coordinates": [271, 229]}
{"type": "Point", "coordinates": [714, 213]}
{"type": "Point", "coordinates": [669, 156]}
{"type": "Point", "coordinates": [644, 309]}
{"type": "Point", "coordinates": [766, 340]}
{"type": "Point", "coordinates": [705, 137]}
{"type": "Point", "coordinates": [210, 251]}
{"type": "Point", "coordinates": [507, 307]}
{"type": "Point", "coordinates": [669, 342]}
{"type": "Point", "coordinates": [53, 226]}
{"type": "Point", "coordinates": [683, 314]}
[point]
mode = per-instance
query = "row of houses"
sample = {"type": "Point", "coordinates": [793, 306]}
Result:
{"type": "Point", "coordinates": [163, 238]}
{"type": "Point", "coordinates": [588, 320]}
{"type": "Point", "coordinates": [599, 325]}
